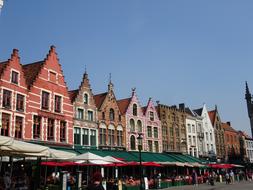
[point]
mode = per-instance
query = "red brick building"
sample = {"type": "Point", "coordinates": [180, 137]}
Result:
{"type": "Point", "coordinates": [111, 121]}
{"type": "Point", "coordinates": [35, 104]}
{"type": "Point", "coordinates": [232, 141]}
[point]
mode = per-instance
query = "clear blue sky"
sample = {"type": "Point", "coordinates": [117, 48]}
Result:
{"type": "Point", "coordinates": [173, 51]}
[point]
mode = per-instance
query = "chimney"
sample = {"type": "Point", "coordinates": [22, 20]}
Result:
{"type": "Point", "coordinates": [228, 122]}
{"type": "Point", "coordinates": [182, 106]}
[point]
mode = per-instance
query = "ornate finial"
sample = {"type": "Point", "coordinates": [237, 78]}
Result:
{"type": "Point", "coordinates": [133, 91]}
{"type": "Point", "coordinates": [247, 88]}
{"type": "Point", "coordinates": [85, 69]}
{"type": "Point", "coordinates": [110, 77]}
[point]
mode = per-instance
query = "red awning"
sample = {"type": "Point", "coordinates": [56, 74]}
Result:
{"type": "Point", "coordinates": [220, 166]}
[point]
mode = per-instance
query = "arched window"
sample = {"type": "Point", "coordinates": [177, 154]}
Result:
{"type": "Point", "coordinates": [132, 125]}
{"type": "Point", "coordinates": [135, 110]}
{"type": "Point", "coordinates": [111, 114]}
{"type": "Point", "coordinates": [139, 126]}
{"type": "Point", "coordinates": [132, 142]}
{"type": "Point", "coordinates": [85, 98]}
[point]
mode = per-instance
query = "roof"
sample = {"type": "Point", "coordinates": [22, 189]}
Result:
{"type": "Point", "coordinates": [99, 99]}
{"type": "Point", "coordinates": [73, 94]}
{"type": "Point", "coordinates": [123, 105]}
{"type": "Point", "coordinates": [188, 111]}
{"type": "Point", "coordinates": [198, 111]}
{"type": "Point", "coordinates": [227, 127]}
{"type": "Point", "coordinates": [31, 71]}
{"type": "Point", "coordinates": [2, 66]}
{"type": "Point", "coordinates": [212, 116]}
{"type": "Point", "coordinates": [144, 109]}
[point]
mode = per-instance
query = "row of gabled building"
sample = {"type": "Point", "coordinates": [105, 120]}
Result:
{"type": "Point", "coordinates": [37, 106]}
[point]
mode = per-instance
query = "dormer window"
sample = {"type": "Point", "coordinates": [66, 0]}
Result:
{"type": "Point", "coordinates": [14, 77]}
{"type": "Point", "coordinates": [135, 110]}
{"type": "Point", "coordinates": [85, 98]}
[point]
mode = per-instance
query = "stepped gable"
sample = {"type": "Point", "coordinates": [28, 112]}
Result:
{"type": "Point", "coordinates": [99, 99]}
{"type": "Point", "coordinates": [123, 104]}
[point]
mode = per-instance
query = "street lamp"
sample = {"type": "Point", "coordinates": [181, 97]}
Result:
{"type": "Point", "coordinates": [139, 138]}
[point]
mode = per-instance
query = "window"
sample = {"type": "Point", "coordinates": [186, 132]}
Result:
{"type": "Point", "coordinates": [119, 138]}
{"type": "Point", "coordinates": [150, 146]}
{"type": "Point", "coordinates": [134, 109]}
{"type": "Point", "coordinates": [36, 126]}
{"type": "Point", "coordinates": [93, 138]}
{"type": "Point", "coordinates": [194, 140]}
{"type": "Point", "coordinates": [207, 136]}
{"type": "Point", "coordinates": [149, 131]}
{"type": "Point", "coordinates": [63, 131]}
{"type": "Point", "coordinates": [20, 102]}
{"type": "Point", "coordinates": [119, 117]}
{"type": "Point", "coordinates": [164, 131]}
{"type": "Point", "coordinates": [14, 77]}
{"type": "Point", "coordinates": [139, 124]}
{"type": "Point", "coordinates": [177, 132]}
{"type": "Point", "coordinates": [18, 127]}
{"type": "Point", "coordinates": [57, 104]}
{"type": "Point", "coordinates": [85, 98]}
{"type": "Point", "coordinates": [193, 128]}
{"type": "Point", "coordinates": [103, 115]}
{"type": "Point", "coordinates": [90, 115]}
{"type": "Point", "coordinates": [85, 136]}
{"type": "Point", "coordinates": [165, 145]}
{"type": "Point", "coordinates": [7, 99]}
{"type": "Point", "coordinates": [102, 136]}
{"type": "Point", "coordinates": [190, 140]}
{"type": "Point", "coordinates": [151, 116]}
{"type": "Point", "coordinates": [111, 137]}
{"type": "Point", "coordinates": [155, 132]}
{"type": "Point", "coordinates": [52, 76]}
{"type": "Point", "coordinates": [211, 137]}
{"type": "Point", "coordinates": [111, 114]}
{"type": "Point", "coordinates": [171, 132]}
{"type": "Point", "coordinates": [132, 143]}
{"type": "Point", "coordinates": [79, 113]}
{"type": "Point", "coordinates": [5, 124]}
{"type": "Point", "coordinates": [132, 125]}
{"type": "Point", "coordinates": [156, 146]}
{"type": "Point", "coordinates": [45, 100]}
{"type": "Point", "coordinates": [50, 129]}
{"type": "Point", "coordinates": [189, 128]}
{"type": "Point", "coordinates": [77, 135]}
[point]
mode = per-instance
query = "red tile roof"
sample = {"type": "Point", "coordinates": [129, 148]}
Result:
{"type": "Point", "coordinates": [2, 66]}
{"type": "Point", "coordinates": [73, 94]}
{"type": "Point", "coordinates": [123, 105]}
{"type": "Point", "coordinates": [99, 99]}
{"type": "Point", "coordinates": [227, 127]}
{"type": "Point", "coordinates": [31, 71]}
{"type": "Point", "coordinates": [212, 116]}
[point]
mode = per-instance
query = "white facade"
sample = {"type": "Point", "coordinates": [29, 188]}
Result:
{"type": "Point", "coordinates": [191, 135]}
{"type": "Point", "coordinates": [206, 138]}
{"type": "Point", "coordinates": [249, 149]}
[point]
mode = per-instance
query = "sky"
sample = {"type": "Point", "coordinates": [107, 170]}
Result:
{"type": "Point", "coordinates": [179, 51]}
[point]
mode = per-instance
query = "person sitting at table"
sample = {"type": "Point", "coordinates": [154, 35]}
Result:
{"type": "Point", "coordinates": [96, 183]}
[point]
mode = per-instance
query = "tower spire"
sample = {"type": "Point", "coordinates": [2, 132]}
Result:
{"type": "Point", "coordinates": [110, 85]}
{"type": "Point", "coordinates": [248, 98]}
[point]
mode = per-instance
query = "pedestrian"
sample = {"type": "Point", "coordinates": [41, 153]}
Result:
{"type": "Point", "coordinates": [227, 178]}
{"type": "Point", "coordinates": [96, 183]}
{"type": "Point", "coordinates": [194, 178]}
{"type": "Point", "coordinates": [232, 177]}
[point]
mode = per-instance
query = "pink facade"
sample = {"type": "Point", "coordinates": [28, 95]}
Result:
{"type": "Point", "coordinates": [135, 123]}
{"type": "Point", "coordinates": [153, 129]}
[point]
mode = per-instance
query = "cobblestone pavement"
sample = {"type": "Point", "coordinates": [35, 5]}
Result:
{"type": "Point", "coordinates": [246, 185]}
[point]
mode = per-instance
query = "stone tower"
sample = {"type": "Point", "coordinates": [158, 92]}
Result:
{"type": "Point", "coordinates": [249, 102]}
